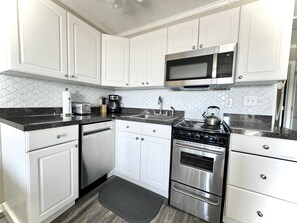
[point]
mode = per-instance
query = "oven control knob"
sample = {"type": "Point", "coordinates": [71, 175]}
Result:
{"type": "Point", "coordinates": [189, 134]}
{"type": "Point", "coordinates": [211, 139]}
{"type": "Point", "coordinates": [197, 136]}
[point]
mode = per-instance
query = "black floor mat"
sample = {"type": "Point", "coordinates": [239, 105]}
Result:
{"type": "Point", "coordinates": [131, 202]}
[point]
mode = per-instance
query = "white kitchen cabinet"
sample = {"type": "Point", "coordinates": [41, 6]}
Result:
{"type": "Point", "coordinates": [183, 37]}
{"type": "Point", "coordinates": [143, 157]}
{"type": "Point", "coordinates": [39, 183]}
{"type": "Point", "coordinates": [53, 177]}
{"type": "Point", "coordinates": [219, 28]}
{"type": "Point", "coordinates": [155, 162]}
{"type": "Point", "coordinates": [261, 180]}
{"type": "Point", "coordinates": [84, 51]}
{"type": "Point", "coordinates": [147, 59]}
{"type": "Point", "coordinates": [33, 38]}
{"type": "Point", "coordinates": [264, 41]}
{"type": "Point", "coordinates": [115, 61]}
{"type": "Point", "coordinates": [128, 155]}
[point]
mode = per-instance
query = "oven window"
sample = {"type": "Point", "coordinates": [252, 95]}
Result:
{"type": "Point", "coordinates": [195, 161]}
{"type": "Point", "coordinates": [189, 68]}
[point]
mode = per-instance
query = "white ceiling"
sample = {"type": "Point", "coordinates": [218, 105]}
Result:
{"type": "Point", "coordinates": [132, 14]}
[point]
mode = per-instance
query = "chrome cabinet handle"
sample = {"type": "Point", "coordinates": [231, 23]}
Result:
{"type": "Point", "coordinates": [72, 76]}
{"type": "Point", "coordinates": [260, 214]}
{"type": "Point", "coordinates": [142, 83]}
{"type": "Point", "coordinates": [75, 145]}
{"type": "Point", "coordinates": [142, 139]}
{"type": "Point", "coordinates": [154, 130]}
{"type": "Point", "coordinates": [240, 77]}
{"type": "Point", "coordinates": [265, 147]}
{"type": "Point", "coordinates": [201, 45]}
{"type": "Point", "coordinates": [127, 84]}
{"type": "Point", "coordinates": [193, 47]}
{"type": "Point", "coordinates": [127, 126]}
{"type": "Point", "coordinates": [137, 138]}
{"type": "Point", "coordinates": [263, 176]}
{"type": "Point", "coordinates": [147, 83]}
{"type": "Point", "coordinates": [66, 75]}
{"type": "Point", "coordinates": [60, 135]}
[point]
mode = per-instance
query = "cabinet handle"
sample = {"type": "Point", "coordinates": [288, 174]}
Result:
{"type": "Point", "coordinates": [147, 83]}
{"type": "Point", "coordinates": [75, 145]}
{"type": "Point", "coordinates": [142, 139]}
{"type": "Point", "coordinates": [193, 47]}
{"type": "Point", "coordinates": [265, 147]}
{"type": "Point", "coordinates": [240, 77]}
{"type": "Point", "coordinates": [66, 75]}
{"type": "Point", "coordinates": [260, 214]}
{"type": "Point", "coordinates": [201, 45]}
{"type": "Point", "coordinates": [72, 76]}
{"type": "Point", "coordinates": [137, 138]}
{"type": "Point", "coordinates": [263, 176]}
{"type": "Point", "coordinates": [154, 130]}
{"type": "Point", "coordinates": [127, 126]}
{"type": "Point", "coordinates": [142, 83]}
{"type": "Point", "coordinates": [127, 84]}
{"type": "Point", "coordinates": [58, 136]}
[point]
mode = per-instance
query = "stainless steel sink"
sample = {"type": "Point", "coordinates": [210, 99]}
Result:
{"type": "Point", "coordinates": [154, 117]}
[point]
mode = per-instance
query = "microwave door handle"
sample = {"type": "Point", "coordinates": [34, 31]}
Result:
{"type": "Point", "coordinates": [214, 65]}
{"type": "Point", "coordinates": [195, 196]}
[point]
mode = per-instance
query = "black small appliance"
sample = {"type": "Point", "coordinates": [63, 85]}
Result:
{"type": "Point", "coordinates": [114, 105]}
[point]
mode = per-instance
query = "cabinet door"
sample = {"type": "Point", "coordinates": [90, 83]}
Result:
{"type": "Point", "coordinates": [219, 28]}
{"type": "Point", "coordinates": [128, 155]}
{"type": "Point", "coordinates": [41, 39]}
{"type": "Point", "coordinates": [156, 58]}
{"type": "Point", "coordinates": [264, 41]}
{"type": "Point", "coordinates": [183, 37]}
{"type": "Point", "coordinates": [53, 180]}
{"type": "Point", "coordinates": [115, 61]}
{"type": "Point", "coordinates": [155, 160]}
{"type": "Point", "coordinates": [138, 60]}
{"type": "Point", "coordinates": [84, 51]}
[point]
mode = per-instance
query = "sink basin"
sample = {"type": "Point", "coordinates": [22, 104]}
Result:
{"type": "Point", "coordinates": [154, 117]}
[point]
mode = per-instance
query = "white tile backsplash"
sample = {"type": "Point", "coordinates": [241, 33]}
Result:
{"type": "Point", "coordinates": [30, 92]}
{"type": "Point", "coordinates": [195, 102]}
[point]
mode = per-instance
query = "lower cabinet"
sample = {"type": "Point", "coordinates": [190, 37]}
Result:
{"type": "Point", "coordinates": [53, 177]}
{"type": "Point", "coordinates": [40, 172]}
{"type": "Point", "coordinates": [144, 159]}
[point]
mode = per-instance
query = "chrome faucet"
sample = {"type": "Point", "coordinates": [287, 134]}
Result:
{"type": "Point", "coordinates": [172, 111]}
{"type": "Point", "coordinates": [160, 102]}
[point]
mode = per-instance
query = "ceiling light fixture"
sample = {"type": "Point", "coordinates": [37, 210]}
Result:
{"type": "Point", "coordinates": [118, 3]}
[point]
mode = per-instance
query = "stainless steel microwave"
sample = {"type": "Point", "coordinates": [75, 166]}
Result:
{"type": "Point", "coordinates": [202, 69]}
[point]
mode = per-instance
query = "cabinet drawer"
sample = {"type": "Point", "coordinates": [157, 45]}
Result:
{"type": "Point", "coordinates": [273, 177]}
{"type": "Point", "coordinates": [248, 207]}
{"type": "Point", "coordinates": [48, 137]}
{"type": "Point", "coordinates": [163, 131]}
{"type": "Point", "coordinates": [127, 126]}
{"type": "Point", "coordinates": [279, 148]}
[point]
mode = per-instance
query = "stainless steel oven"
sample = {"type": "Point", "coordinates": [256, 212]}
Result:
{"type": "Point", "coordinates": [197, 169]}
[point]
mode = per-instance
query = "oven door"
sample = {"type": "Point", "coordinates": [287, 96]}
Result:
{"type": "Point", "coordinates": [198, 166]}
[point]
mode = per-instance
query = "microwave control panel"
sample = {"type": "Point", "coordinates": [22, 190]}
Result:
{"type": "Point", "coordinates": [225, 64]}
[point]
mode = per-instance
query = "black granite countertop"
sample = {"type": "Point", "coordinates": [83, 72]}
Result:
{"type": "Point", "coordinates": [257, 125]}
{"type": "Point", "coordinates": [29, 119]}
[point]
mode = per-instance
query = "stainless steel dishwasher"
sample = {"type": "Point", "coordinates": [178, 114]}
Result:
{"type": "Point", "coordinates": [97, 151]}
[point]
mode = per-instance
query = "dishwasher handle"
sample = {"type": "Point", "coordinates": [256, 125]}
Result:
{"type": "Point", "coordinates": [96, 131]}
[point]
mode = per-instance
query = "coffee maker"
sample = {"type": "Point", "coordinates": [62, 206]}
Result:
{"type": "Point", "coordinates": [114, 105]}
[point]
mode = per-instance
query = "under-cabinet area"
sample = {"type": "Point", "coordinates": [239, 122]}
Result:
{"type": "Point", "coordinates": [148, 111]}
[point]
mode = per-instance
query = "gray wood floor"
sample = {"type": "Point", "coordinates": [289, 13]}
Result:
{"type": "Point", "coordinates": [88, 209]}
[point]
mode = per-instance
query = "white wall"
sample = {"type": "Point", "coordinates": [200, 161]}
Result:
{"type": "Point", "coordinates": [195, 102]}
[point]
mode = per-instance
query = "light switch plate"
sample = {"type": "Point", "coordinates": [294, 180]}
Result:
{"type": "Point", "coordinates": [228, 103]}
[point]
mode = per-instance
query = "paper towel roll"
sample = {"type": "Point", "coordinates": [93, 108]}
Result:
{"type": "Point", "coordinates": [67, 107]}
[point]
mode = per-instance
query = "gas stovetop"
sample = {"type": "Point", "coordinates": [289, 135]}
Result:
{"type": "Point", "coordinates": [198, 125]}
{"type": "Point", "coordinates": [197, 131]}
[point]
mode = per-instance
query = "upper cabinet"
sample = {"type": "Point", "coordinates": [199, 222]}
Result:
{"type": "Point", "coordinates": [264, 41]}
{"type": "Point", "coordinates": [115, 61]}
{"type": "Point", "coordinates": [147, 59]}
{"type": "Point", "coordinates": [219, 28]}
{"type": "Point", "coordinates": [33, 38]}
{"type": "Point", "coordinates": [84, 51]}
{"type": "Point", "coordinates": [183, 37]}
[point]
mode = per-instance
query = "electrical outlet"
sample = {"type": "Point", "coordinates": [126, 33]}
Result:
{"type": "Point", "coordinates": [228, 102]}
{"type": "Point", "coordinates": [249, 101]}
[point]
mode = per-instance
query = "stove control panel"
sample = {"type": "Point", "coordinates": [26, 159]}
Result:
{"type": "Point", "coordinates": [201, 137]}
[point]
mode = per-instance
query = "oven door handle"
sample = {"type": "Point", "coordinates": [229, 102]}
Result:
{"type": "Point", "coordinates": [195, 196]}
{"type": "Point", "coordinates": [198, 148]}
